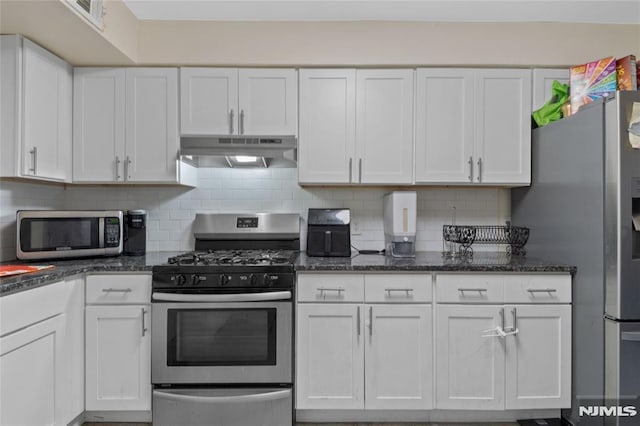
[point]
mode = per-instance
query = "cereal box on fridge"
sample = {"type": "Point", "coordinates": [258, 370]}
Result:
{"type": "Point", "coordinates": [626, 73]}
{"type": "Point", "coordinates": [591, 81]}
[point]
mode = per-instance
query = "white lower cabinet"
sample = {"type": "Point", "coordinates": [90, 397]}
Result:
{"type": "Point", "coordinates": [33, 379]}
{"type": "Point", "coordinates": [363, 355]}
{"type": "Point", "coordinates": [527, 368]}
{"type": "Point", "coordinates": [118, 344]}
{"type": "Point", "coordinates": [469, 367]}
{"type": "Point", "coordinates": [74, 348]}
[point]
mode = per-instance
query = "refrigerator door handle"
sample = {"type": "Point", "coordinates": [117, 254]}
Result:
{"type": "Point", "coordinates": [630, 336]}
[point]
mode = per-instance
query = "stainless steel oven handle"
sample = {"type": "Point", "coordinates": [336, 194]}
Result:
{"type": "Point", "coordinates": [242, 297]}
{"type": "Point", "coordinates": [260, 397]}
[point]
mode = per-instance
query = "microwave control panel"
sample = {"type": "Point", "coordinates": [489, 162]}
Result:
{"type": "Point", "coordinates": [111, 232]}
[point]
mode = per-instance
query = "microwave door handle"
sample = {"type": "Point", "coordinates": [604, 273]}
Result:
{"type": "Point", "coordinates": [242, 297]}
{"type": "Point", "coordinates": [327, 242]}
{"type": "Point", "coordinates": [259, 397]}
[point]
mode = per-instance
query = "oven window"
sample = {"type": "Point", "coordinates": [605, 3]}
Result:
{"type": "Point", "coordinates": [221, 337]}
{"type": "Point", "coordinates": [59, 234]}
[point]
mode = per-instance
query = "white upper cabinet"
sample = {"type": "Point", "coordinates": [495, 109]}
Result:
{"type": "Point", "coordinates": [444, 125]}
{"type": "Point", "coordinates": [473, 126]}
{"type": "Point", "coordinates": [356, 126]}
{"type": "Point", "coordinates": [384, 126]}
{"type": "Point", "coordinates": [208, 101]}
{"type": "Point", "coordinates": [543, 79]}
{"type": "Point", "coordinates": [126, 126]}
{"type": "Point", "coordinates": [232, 101]}
{"type": "Point", "coordinates": [327, 125]}
{"type": "Point", "coordinates": [36, 112]}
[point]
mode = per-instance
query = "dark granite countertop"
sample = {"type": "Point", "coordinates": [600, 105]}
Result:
{"type": "Point", "coordinates": [424, 261]}
{"type": "Point", "coordinates": [66, 268]}
{"type": "Point", "coordinates": [431, 261]}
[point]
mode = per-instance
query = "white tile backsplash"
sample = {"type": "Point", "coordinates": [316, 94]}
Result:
{"type": "Point", "coordinates": [171, 210]}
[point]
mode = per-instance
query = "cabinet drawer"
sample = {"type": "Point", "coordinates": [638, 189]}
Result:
{"type": "Point", "coordinates": [118, 289]}
{"type": "Point", "coordinates": [330, 288]}
{"type": "Point", "coordinates": [537, 289]}
{"type": "Point", "coordinates": [397, 288]}
{"type": "Point", "coordinates": [468, 288]}
{"type": "Point", "coordinates": [28, 307]}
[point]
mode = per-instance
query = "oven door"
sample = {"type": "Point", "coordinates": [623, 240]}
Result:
{"type": "Point", "coordinates": [222, 342]}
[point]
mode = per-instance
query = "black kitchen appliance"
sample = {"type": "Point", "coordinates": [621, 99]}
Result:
{"type": "Point", "coordinates": [222, 324]}
{"type": "Point", "coordinates": [329, 232]}
{"type": "Point", "coordinates": [135, 233]}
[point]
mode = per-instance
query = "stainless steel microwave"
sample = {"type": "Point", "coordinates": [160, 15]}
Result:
{"type": "Point", "coordinates": [50, 234]}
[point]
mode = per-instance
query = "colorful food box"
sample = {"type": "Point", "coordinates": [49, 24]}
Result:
{"type": "Point", "coordinates": [627, 74]}
{"type": "Point", "coordinates": [591, 81]}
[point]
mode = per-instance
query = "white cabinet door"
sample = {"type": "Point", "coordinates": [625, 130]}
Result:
{"type": "Point", "coordinates": [152, 142]}
{"type": "Point", "coordinates": [398, 357]}
{"type": "Point", "coordinates": [46, 119]}
{"type": "Point", "coordinates": [538, 364]}
{"type": "Point", "coordinates": [543, 79]}
{"type": "Point", "coordinates": [268, 101]}
{"type": "Point", "coordinates": [469, 367]}
{"type": "Point", "coordinates": [208, 101]}
{"type": "Point", "coordinates": [330, 357]}
{"type": "Point", "coordinates": [98, 125]}
{"type": "Point", "coordinates": [118, 358]}
{"type": "Point", "coordinates": [31, 370]}
{"type": "Point", "coordinates": [326, 147]}
{"type": "Point", "coordinates": [503, 126]}
{"type": "Point", "coordinates": [74, 349]}
{"type": "Point", "coordinates": [445, 114]}
{"type": "Point", "coordinates": [384, 126]}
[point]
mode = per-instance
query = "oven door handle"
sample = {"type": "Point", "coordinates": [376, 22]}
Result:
{"type": "Point", "coordinates": [256, 397]}
{"type": "Point", "coordinates": [242, 297]}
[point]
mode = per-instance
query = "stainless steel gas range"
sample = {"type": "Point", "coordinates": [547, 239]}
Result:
{"type": "Point", "coordinates": [222, 317]}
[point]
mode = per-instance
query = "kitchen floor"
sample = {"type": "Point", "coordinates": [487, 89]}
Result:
{"type": "Point", "coordinates": [338, 424]}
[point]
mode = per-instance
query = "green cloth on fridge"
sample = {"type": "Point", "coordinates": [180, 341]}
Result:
{"type": "Point", "coordinates": [552, 110]}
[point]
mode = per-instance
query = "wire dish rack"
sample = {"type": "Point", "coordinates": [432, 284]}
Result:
{"type": "Point", "coordinates": [515, 237]}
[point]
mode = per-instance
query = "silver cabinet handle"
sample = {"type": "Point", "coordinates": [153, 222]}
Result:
{"type": "Point", "coordinates": [350, 169]}
{"type": "Point", "coordinates": [144, 328]}
{"type": "Point", "coordinates": [127, 167]}
{"type": "Point", "coordinates": [515, 319]}
{"type": "Point", "coordinates": [479, 290]}
{"type": "Point", "coordinates": [479, 169]}
{"type": "Point", "coordinates": [405, 290]}
{"type": "Point", "coordinates": [34, 155]}
{"type": "Point", "coordinates": [360, 170]}
{"type": "Point", "coordinates": [358, 321]}
{"type": "Point", "coordinates": [116, 290]}
{"type": "Point", "coordinates": [502, 319]}
{"type": "Point", "coordinates": [541, 290]}
{"type": "Point", "coordinates": [339, 290]}
{"type": "Point", "coordinates": [118, 167]}
{"type": "Point", "coordinates": [370, 321]}
{"type": "Point", "coordinates": [470, 169]}
{"type": "Point", "coordinates": [242, 122]}
{"type": "Point", "coordinates": [231, 121]}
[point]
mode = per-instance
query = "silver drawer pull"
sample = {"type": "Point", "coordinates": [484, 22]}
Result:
{"type": "Point", "coordinates": [541, 290]}
{"type": "Point", "coordinates": [337, 290]}
{"type": "Point", "coordinates": [116, 290]}
{"type": "Point", "coordinates": [479, 290]}
{"type": "Point", "coordinates": [405, 290]}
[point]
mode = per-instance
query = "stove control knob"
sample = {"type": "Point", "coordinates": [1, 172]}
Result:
{"type": "Point", "coordinates": [270, 279]}
{"type": "Point", "coordinates": [224, 279]}
{"type": "Point", "coordinates": [181, 280]}
{"type": "Point", "coordinates": [197, 279]}
{"type": "Point", "coordinates": [253, 279]}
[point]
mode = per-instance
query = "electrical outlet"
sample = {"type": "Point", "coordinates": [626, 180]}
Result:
{"type": "Point", "coordinates": [355, 227]}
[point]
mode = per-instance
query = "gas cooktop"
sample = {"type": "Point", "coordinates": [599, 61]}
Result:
{"type": "Point", "coordinates": [234, 258]}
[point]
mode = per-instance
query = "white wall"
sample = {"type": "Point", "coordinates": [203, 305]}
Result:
{"type": "Point", "coordinates": [171, 210]}
{"type": "Point", "coordinates": [23, 196]}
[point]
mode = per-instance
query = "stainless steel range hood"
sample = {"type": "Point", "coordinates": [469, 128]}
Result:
{"type": "Point", "coordinates": [224, 150]}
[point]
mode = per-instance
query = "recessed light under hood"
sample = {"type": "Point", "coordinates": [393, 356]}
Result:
{"type": "Point", "coordinates": [229, 150]}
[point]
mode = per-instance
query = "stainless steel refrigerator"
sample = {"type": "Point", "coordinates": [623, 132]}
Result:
{"type": "Point", "coordinates": [583, 208]}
